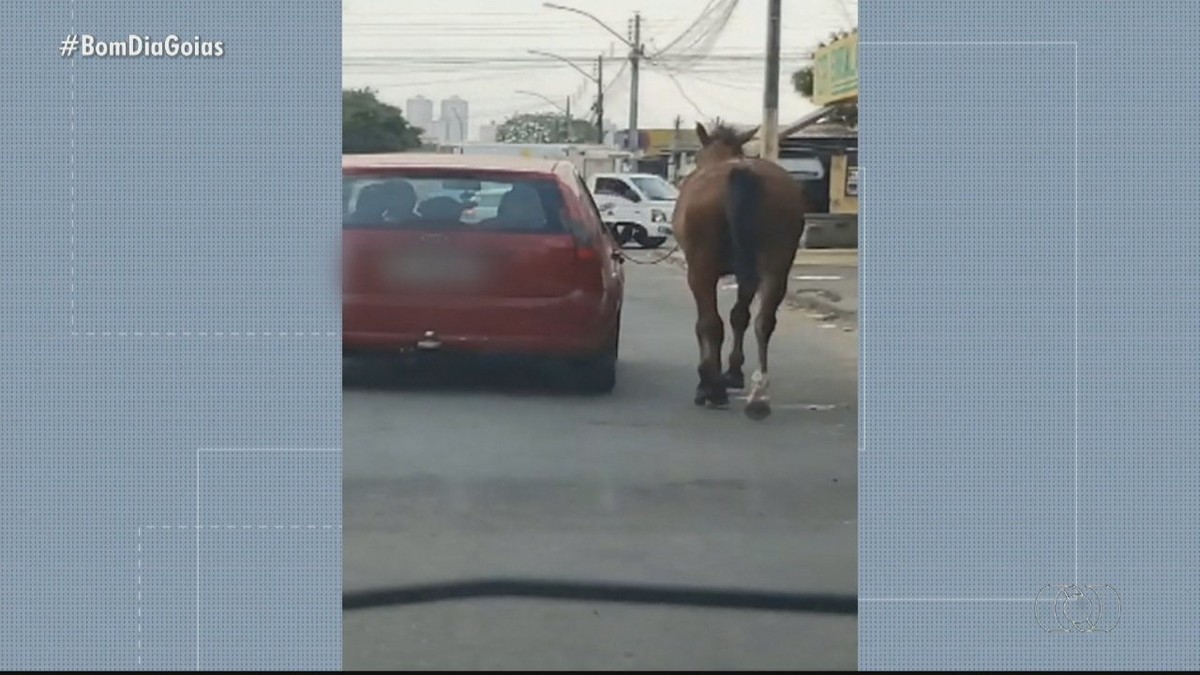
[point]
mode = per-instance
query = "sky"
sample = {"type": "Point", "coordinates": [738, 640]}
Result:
{"type": "Point", "coordinates": [479, 50]}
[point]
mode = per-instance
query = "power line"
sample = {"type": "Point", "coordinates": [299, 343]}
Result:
{"type": "Point", "coordinates": [482, 62]}
{"type": "Point", "coordinates": [503, 110]}
{"type": "Point", "coordinates": [685, 95]}
{"type": "Point", "coordinates": [703, 13]}
{"type": "Point", "coordinates": [456, 21]}
{"type": "Point", "coordinates": [471, 55]}
{"type": "Point", "coordinates": [725, 85]}
{"type": "Point", "coordinates": [697, 42]}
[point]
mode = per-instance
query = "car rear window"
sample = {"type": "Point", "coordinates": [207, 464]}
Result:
{"type": "Point", "coordinates": [490, 199]}
{"type": "Point", "coordinates": [500, 203]}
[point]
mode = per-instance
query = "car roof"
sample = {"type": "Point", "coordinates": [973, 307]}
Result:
{"type": "Point", "coordinates": [418, 160]}
{"type": "Point", "coordinates": [626, 175]}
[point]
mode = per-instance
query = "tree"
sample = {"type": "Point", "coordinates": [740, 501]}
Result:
{"type": "Point", "coordinates": [544, 128]}
{"type": "Point", "coordinates": [842, 113]}
{"type": "Point", "coordinates": [370, 125]}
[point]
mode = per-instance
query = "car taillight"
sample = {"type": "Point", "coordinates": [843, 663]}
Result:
{"type": "Point", "coordinates": [584, 251]}
{"type": "Point", "coordinates": [574, 217]}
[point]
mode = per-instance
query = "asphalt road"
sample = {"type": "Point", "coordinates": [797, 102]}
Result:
{"type": "Point", "coordinates": [453, 475]}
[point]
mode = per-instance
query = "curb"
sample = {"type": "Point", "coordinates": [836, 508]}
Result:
{"type": "Point", "coordinates": [809, 301]}
{"type": "Point", "coordinates": [833, 257]}
{"type": "Point", "coordinates": [814, 300]}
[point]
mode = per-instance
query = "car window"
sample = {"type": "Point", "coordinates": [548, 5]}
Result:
{"type": "Point", "coordinates": [495, 202]}
{"type": "Point", "coordinates": [623, 190]}
{"type": "Point", "coordinates": [589, 204]}
{"type": "Point", "coordinates": [609, 186]}
{"type": "Point", "coordinates": [490, 200]}
{"type": "Point", "coordinates": [803, 168]}
{"type": "Point", "coordinates": [595, 221]}
{"type": "Point", "coordinates": [656, 188]}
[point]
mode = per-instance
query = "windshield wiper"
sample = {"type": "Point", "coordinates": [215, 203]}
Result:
{"type": "Point", "coordinates": [539, 589]}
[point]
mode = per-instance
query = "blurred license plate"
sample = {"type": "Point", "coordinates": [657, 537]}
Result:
{"type": "Point", "coordinates": [437, 268]}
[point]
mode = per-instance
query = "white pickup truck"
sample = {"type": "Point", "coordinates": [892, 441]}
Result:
{"type": "Point", "coordinates": [638, 206]}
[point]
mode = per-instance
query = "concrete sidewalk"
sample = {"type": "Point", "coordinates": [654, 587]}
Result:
{"type": "Point", "coordinates": [823, 282]}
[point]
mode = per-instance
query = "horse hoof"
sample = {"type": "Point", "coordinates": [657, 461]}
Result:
{"type": "Point", "coordinates": [758, 410]}
{"type": "Point", "coordinates": [701, 397]}
{"type": "Point", "coordinates": [718, 399]}
{"type": "Point", "coordinates": [735, 381]}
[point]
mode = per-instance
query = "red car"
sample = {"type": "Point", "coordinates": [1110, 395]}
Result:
{"type": "Point", "coordinates": [483, 255]}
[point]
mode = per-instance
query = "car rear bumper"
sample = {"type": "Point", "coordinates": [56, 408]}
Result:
{"type": "Point", "coordinates": [570, 326]}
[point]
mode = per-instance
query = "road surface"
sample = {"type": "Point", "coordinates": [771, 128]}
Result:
{"type": "Point", "coordinates": [452, 476]}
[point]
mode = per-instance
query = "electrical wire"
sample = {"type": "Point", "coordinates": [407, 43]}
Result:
{"type": "Point", "coordinates": [689, 30]}
{"type": "Point", "coordinates": [697, 43]}
{"type": "Point", "coordinates": [725, 85]}
{"type": "Point", "coordinates": [470, 57]}
{"type": "Point", "coordinates": [687, 98]}
{"type": "Point", "coordinates": [690, 54]}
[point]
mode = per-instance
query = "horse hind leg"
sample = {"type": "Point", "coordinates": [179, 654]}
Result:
{"type": "Point", "coordinates": [758, 405]}
{"type": "Point", "coordinates": [739, 320]}
{"type": "Point", "coordinates": [710, 329]}
{"type": "Point", "coordinates": [710, 333]}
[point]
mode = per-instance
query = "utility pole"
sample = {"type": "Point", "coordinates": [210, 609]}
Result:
{"type": "Point", "coordinates": [673, 169]}
{"type": "Point", "coordinates": [568, 113]}
{"type": "Point", "coordinates": [636, 52]}
{"type": "Point", "coordinates": [600, 99]}
{"type": "Point", "coordinates": [770, 125]}
{"type": "Point", "coordinates": [635, 62]}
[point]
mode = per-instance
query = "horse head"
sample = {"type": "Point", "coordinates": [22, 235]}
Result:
{"type": "Point", "coordinates": [721, 144]}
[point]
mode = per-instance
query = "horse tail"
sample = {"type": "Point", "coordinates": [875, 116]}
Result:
{"type": "Point", "coordinates": [741, 211]}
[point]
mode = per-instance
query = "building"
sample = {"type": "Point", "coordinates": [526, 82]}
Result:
{"type": "Point", "coordinates": [455, 118]}
{"type": "Point", "coordinates": [665, 152]}
{"type": "Point", "coordinates": [835, 195]}
{"type": "Point", "coordinates": [487, 132]}
{"type": "Point", "coordinates": [419, 113]}
{"type": "Point", "coordinates": [441, 130]}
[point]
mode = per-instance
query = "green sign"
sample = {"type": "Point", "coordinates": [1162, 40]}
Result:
{"type": "Point", "coordinates": [835, 71]}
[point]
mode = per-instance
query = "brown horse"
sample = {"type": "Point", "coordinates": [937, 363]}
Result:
{"type": "Point", "coordinates": [740, 216]}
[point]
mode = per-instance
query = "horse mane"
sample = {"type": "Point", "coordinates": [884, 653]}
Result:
{"type": "Point", "coordinates": [723, 133]}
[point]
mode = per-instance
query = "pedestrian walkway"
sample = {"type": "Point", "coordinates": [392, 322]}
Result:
{"type": "Point", "coordinates": [825, 282]}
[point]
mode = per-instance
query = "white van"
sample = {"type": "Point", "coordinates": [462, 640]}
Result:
{"type": "Point", "coordinates": [638, 206]}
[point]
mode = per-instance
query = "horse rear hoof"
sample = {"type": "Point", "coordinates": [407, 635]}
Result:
{"type": "Point", "coordinates": [758, 410]}
{"type": "Point", "coordinates": [717, 404]}
{"type": "Point", "coordinates": [711, 397]}
{"type": "Point", "coordinates": [735, 381]}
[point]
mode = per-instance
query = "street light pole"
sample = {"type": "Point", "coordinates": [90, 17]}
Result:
{"type": "Point", "coordinates": [597, 79]}
{"type": "Point", "coordinates": [568, 114]}
{"type": "Point", "coordinates": [770, 125]}
{"type": "Point", "coordinates": [600, 99]}
{"type": "Point", "coordinates": [565, 111]}
{"type": "Point", "coordinates": [635, 57]}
